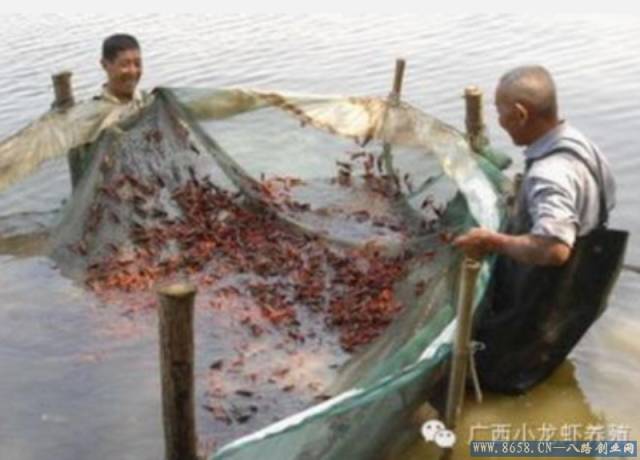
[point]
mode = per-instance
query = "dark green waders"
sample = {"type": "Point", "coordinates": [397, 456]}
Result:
{"type": "Point", "coordinates": [533, 316]}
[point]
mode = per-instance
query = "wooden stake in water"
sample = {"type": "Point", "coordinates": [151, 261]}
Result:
{"type": "Point", "coordinates": [474, 120]}
{"type": "Point", "coordinates": [62, 90]}
{"type": "Point", "coordinates": [63, 99]}
{"type": "Point", "coordinates": [462, 343]}
{"type": "Point", "coordinates": [393, 100]}
{"type": "Point", "coordinates": [176, 367]}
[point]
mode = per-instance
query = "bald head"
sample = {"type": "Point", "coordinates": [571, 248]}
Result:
{"type": "Point", "coordinates": [533, 87]}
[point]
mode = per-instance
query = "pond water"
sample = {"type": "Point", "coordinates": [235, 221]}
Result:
{"type": "Point", "coordinates": [74, 388]}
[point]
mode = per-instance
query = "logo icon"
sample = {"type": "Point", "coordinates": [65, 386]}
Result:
{"type": "Point", "coordinates": [436, 431]}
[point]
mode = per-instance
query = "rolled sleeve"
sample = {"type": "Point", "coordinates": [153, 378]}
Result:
{"type": "Point", "coordinates": [552, 210]}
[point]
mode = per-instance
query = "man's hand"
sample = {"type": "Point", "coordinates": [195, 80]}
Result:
{"type": "Point", "coordinates": [476, 243]}
{"type": "Point", "coordinates": [528, 249]}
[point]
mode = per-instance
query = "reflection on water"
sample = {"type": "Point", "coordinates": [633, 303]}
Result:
{"type": "Point", "coordinates": [74, 388]}
{"type": "Point", "coordinates": [554, 410]}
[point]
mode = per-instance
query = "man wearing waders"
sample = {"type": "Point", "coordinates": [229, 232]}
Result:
{"type": "Point", "coordinates": [556, 261]}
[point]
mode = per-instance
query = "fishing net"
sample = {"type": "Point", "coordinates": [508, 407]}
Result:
{"type": "Point", "coordinates": [316, 230]}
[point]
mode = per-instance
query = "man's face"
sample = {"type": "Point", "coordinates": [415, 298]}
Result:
{"type": "Point", "coordinates": [511, 117]}
{"type": "Point", "coordinates": [123, 73]}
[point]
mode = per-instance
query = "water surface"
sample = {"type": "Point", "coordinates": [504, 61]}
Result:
{"type": "Point", "coordinates": [72, 388]}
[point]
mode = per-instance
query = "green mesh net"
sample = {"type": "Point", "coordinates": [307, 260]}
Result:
{"type": "Point", "coordinates": [324, 264]}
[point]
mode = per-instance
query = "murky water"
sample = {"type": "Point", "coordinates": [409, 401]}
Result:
{"type": "Point", "coordinates": [72, 388]}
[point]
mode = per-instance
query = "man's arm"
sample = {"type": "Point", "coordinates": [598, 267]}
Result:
{"type": "Point", "coordinates": [528, 249]}
{"type": "Point", "coordinates": [551, 191]}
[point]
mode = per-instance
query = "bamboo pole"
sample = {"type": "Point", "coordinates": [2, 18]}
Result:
{"type": "Point", "coordinates": [63, 90]}
{"type": "Point", "coordinates": [393, 100]}
{"type": "Point", "coordinates": [462, 345]}
{"type": "Point", "coordinates": [461, 357]}
{"type": "Point", "coordinates": [176, 367]}
{"type": "Point", "coordinates": [474, 120]}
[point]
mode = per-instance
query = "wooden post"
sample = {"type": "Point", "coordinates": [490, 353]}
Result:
{"type": "Point", "coordinates": [474, 119]}
{"type": "Point", "coordinates": [462, 345]}
{"type": "Point", "coordinates": [62, 90]}
{"type": "Point", "coordinates": [393, 100]}
{"type": "Point", "coordinates": [176, 367]}
{"type": "Point", "coordinates": [398, 76]}
{"type": "Point", "coordinates": [63, 99]}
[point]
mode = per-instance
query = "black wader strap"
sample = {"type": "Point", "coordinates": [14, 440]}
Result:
{"type": "Point", "coordinates": [603, 217]}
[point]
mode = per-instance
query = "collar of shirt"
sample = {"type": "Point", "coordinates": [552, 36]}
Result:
{"type": "Point", "coordinates": [109, 97]}
{"type": "Point", "coordinates": [545, 143]}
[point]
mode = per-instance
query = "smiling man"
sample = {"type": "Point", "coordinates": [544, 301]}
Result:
{"type": "Point", "coordinates": [120, 96]}
{"type": "Point", "coordinates": [122, 61]}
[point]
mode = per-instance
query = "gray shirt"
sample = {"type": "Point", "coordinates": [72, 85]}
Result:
{"type": "Point", "coordinates": [562, 196]}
